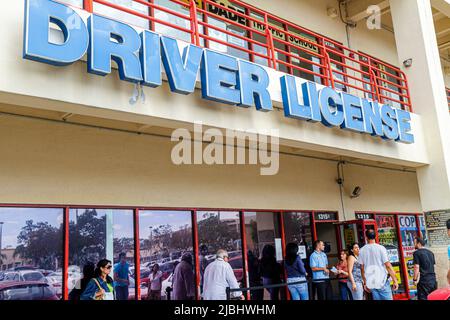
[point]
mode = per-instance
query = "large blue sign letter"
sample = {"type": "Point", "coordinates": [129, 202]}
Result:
{"type": "Point", "coordinates": [181, 70]}
{"type": "Point", "coordinates": [38, 15]}
{"type": "Point", "coordinates": [219, 77]}
{"type": "Point", "coordinates": [151, 59]}
{"type": "Point", "coordinates": [253, 82]}
{"type": "Point", "coordinates": [114, 40]}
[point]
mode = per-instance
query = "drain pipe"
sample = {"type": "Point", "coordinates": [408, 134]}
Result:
{"type": "Point", "coordinates": [348, 24]}
{"type": "Point", "coordinates": [340, 182]}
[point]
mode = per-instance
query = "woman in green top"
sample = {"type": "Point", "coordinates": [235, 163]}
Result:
{"type": "Point", "coordinates": [101, 287]}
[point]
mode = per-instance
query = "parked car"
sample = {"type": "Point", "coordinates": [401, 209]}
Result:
{"type": "Point", "coordinates": [236, 264]}
{"type": "Point", "coordinates": [26, 290]}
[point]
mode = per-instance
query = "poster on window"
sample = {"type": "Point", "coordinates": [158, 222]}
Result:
{"type": "Point", "coordinates": [398, 275]}
{"type": "Point", "coordinates": [386, 230]}
{"type": "Point", "coordinates": [408, 230]}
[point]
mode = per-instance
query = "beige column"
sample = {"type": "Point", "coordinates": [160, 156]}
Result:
{"type": "Point", "coordinates": [416, 40]}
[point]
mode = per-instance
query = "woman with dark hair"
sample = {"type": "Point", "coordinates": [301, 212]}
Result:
{"type": "Point", "coordinates": [355, 284]}
{"type": "Point", "coordinates": [342, 272]}
{"type": "Point", "coordinates": [270, 270]}
{"type": "Point", "coordinates": [155, 280]}
{"type": "Point", "coordinates": [80, 286]}
{"type": "Point", "coordinates": [101, 287]}
{"type": "Point", "coordinates": [295, 270]}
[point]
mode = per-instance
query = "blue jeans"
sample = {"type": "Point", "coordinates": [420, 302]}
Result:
{"type": "Point", "coordinates": [121, 292]}
{"type": "Point", "coordinates": [359, 293]}
{"type": "Point", "coordinates": [298, 291]}
{"type": "Point", "coordinates": [384, 293]}
{"type": "Point", "coordinates": [344, 291]}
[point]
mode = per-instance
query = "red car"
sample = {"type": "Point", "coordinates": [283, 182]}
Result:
{"type": "Point", "coordinates": [26, 290]}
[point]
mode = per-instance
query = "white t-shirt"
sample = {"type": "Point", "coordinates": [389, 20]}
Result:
{"type": "Point", "coordinates": [218, 276]}
{"type": "Point", "coordinates": [373, 257]}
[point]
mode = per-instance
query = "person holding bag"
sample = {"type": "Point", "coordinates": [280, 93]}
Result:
{"type": "Point", "coordinates": [101, 287]}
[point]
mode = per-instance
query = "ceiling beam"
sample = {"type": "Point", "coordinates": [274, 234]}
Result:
{"type": "Point", "coordinates": [442, 27]}
{"type": "Point", "coordinates": [442, 5]}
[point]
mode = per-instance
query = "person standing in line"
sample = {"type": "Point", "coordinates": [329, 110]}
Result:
{"type": "Point", "coordinates": [218, 277]}
{"type": "Point", "coordinates": [101, 287]}
{"type": "Point", "coordinates": [122, 277]}
{"type": "Point", "coordinates": [424, 275]}
{"type": "Point", "coordinates": [295, 270]}
{"type": "Point", "coordinates": [155, 283]}
{"type": "Point", "coordinates": [321, 273]}
{"type": "Point", "coordinates": [355, 283]}
{"type": "Point", "coordinates": [271, 271]}
{"type": "Point", "coordinates": [342, 274]}
{"type": "Point", "coordinates": [80, 286]}
{"type": "Point", "coordinates": [375, 267]}
{"type": "Point", "coordinates": [254, 276]}
{"type": "Point", "coordinates": [183, 279]}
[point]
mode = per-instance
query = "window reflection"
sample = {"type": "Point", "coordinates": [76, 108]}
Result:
{"type": "Point", "coordinates": [31, 249]}
{"type": "Point", "coordinates": [219, 230]}
{"type": "Point", "coordinates": [388, 237]}
{"type": "Point", "coordinates": [165, 236]}
{"type": "Point", "coordinates": [264, 253]}
{"type": "Point", "coordinates": [98, 234]}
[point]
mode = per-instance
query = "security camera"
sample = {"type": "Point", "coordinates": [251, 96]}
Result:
{"type": "Point", "coordinates": [408, 63]}
{"type": "Point", "coordinates": [356, 192]}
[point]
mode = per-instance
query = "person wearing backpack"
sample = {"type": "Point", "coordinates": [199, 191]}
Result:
{"type": "Point", "coordinates": [295, 270]}
{"type": "Point", "coordinates": [101, 287]}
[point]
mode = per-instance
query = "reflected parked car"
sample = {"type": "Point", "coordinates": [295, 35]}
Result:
{"type": "Point", "coordinates": [24, 275]}
{"type": "Point", "coordinates": [26, 290]}
{"type": "Point", "coordinates": [236, 264]}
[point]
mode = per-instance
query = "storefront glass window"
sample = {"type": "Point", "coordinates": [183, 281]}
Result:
{"type": "Point", "coordinates": [297, 227]}
{"type": "Point", "coordinates": [31, 249]}
{"type": "Point", "coordinates": [164, 237]}
{"type": "Point", "coordinates": [219, 230]}
{"type": "Point", "coordinates": [123, 16]}
{"type": "Point", "coordinates": [96, 234]}
{"type": "Point", "coordinates": [388, 237]}
{"type": "Point", "coordinates": [408, 231]}
{"type": "Point", "coordinates": [262, 232]}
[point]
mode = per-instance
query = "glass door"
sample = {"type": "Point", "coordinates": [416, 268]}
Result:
{"type": "Point", "coordinates": [388, 237]}
{"type": "Point", "coordinates": [264, 253]}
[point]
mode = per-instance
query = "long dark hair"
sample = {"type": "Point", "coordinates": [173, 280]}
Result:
{"type": "Point", "coordinates": [98, 272]}
{"type": "Point", "coordinates": [350, 249]}
{"type": "Point", "coordinates": [291, 253]}
{"type": "Point", "coordinates": [88, 274]}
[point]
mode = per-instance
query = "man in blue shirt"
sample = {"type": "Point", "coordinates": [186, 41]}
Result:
{"type": "Point", "coordinates": [122, 277]}
{"type": "Point", "coordinates": [318, 262]}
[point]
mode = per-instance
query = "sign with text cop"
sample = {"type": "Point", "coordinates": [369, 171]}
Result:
{"type": "Point", "coordinates": [224, 78]}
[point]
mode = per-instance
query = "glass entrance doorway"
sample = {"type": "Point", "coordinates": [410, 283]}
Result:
{"type": "Point", "coordinates": [351, 232]}
{"type": "Point", "coordinates": [264, 254]}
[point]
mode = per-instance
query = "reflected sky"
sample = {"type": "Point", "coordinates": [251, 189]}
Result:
{"type": "Point", "coordinates": [176, 219]}
{"type": "Point", "coordinates": [14, 219]}
{"type": "Point", "coordinates": [122, 220]}
{"type": "Point", "coordinates": [224, 215]}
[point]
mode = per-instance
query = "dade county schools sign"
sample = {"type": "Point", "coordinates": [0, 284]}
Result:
{"type": "Point", "coordinates": [224, 78]}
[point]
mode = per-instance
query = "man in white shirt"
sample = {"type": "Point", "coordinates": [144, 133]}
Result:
{"type": "Point", "coordinates": [375, 266]}
{"type": "Point", "coordinates": [217, 277]}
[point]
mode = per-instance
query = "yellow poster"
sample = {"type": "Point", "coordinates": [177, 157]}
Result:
{"type": "Point", "coordinates": [197, 2]}
{"type": "Point", "coordinates": [397, 274]}
{"type": "Point", "coordinates": [349, 236]}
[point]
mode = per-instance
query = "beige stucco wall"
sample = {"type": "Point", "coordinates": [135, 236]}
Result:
{"type": "Point", "coordinates": [29, 83]}
{"type": "Point", "coordinates": [57, 163]}
{"type": "Point", "coordinates": [312, 14]}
